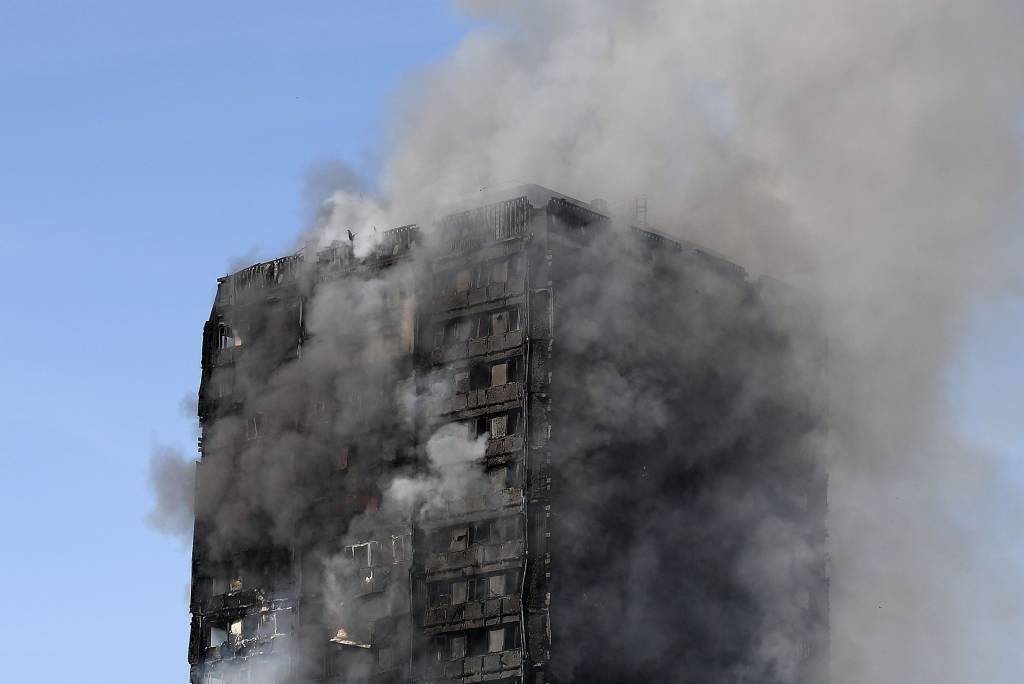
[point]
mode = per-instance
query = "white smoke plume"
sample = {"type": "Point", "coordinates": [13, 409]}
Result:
{"type": "Point", "coordinates": [454, 472]}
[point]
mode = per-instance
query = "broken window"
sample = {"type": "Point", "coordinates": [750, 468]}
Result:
{"type": "Point", "coordinates": [476, 642]}
{"type": "Point", "coordinates": [499, 374]}
{"type": "Point", "coordinates": [488, 586]}
{"type": "Point", "coordinates": [477, 588]}
{"type": "Point", "coordinates": [461, 384]}
{"type": "Point", "coordinates": [499, 323]}
{"type": "Point", "coordinates": [235, 629]}
{"type": "Point", "coordinates": [495, 586]}
{"type": "Point", "coordinates": [439, 541]}
{"type": "Point", "coordinates": [459, 539]}
{"type": "Point", "coordinates": [228, 338]}
{"type": "Point", "coordinates": [235, 584]}
{"type": "Point", "coordinates": [438, 594]}
{"type": "Point", "coordinates": [251, 625]}
{"type": "Point", "coordinates": [397, 548]}
{"type": "Point", "coordinates": [479, 376]}
{"type": "Point", "coordinates": [458, 593]}
{"type": "Point", "coordinates": [482, 531]}
{"type": "Point", "coordinates": [268, 625]}
{"type": "Point", "coordinates": [438, 648]}
{"type": "Point", "coordinates": [458, 647]}
{"type": "Point", "coordinates": [457, 330]}
{"type": "Point", "coordinates": [513, 476]}
{"type": "Point", "coordinates": [218, 636]}
{"type": "Point", "coordinates": [365, 555]}
{"type": "Point", "coordinates": [478, 426]}
{"type": "Point", "coordinates": [496, 640]}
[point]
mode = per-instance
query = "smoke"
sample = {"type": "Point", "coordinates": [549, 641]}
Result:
{"type": "Point", "coordinates": [453, 473]}
{"type": "Point", "coordinates": [868, 153]}
{"type": "Point", "coordinates": [172, 480]}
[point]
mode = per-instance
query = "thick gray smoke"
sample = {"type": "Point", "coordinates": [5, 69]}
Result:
{"type": "Point", "coordinates": [172, 479]}
{"type": "Point", "coordinates": [868, 152]}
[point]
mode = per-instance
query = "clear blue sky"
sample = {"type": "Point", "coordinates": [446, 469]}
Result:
{"type": "Point", "coordinates": [143, 148]}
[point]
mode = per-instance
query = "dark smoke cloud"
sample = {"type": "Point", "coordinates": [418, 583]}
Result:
{"type": "Point", "coordinates": [172, 480]}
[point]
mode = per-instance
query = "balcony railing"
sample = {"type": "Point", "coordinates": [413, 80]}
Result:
{"type": "Point", "coordinates": [478, 295]}
{"type": "Point", "coordinates": [471, 229]}
{"type": "Point", "coordinates": [487, 396]}
{"type": "Point", "coordinates": [477, 346]}
{"type": "Point", "coordinates": [258, 276]}
{"type": "Point", "coordinates": [487, 501]}
{"type": "Point", "coordinates": [503, 445]}
{"type": "Point", "coordinates": [475, 555]}
{"type": "Point", "coordinates": [472, 613]}
{"type": "Point", "coordinates": [475, 666]}
{"type": "Point", "coordinates": [233, 601]}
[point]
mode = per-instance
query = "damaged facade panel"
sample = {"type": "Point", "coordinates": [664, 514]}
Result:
{"type": "Point", "coordinates": [592, 370]}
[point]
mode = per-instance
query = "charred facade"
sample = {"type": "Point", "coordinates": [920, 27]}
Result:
{"type": "Point", "coordinates": [520, 446]}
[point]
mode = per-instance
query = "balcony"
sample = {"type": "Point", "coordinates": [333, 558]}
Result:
{"type": "Point", "coordinates": [478, 295]}
{"type": "Point", "coordinates": [474, 668]}
{"type": "Point", "coordinates": [476, 555]}
{"type": "Point", "coordinates": [477, 346]}
{"type": "Point", "coordinates": [499, 394]}
{"type": "Point", "coordinates": [471, 614]}
{"type": "Point", "coordinates": [237, 647]}
{"type": "Point", "coordinates": [492, 662]}
{"type": "Point", "coordinates": [487, 501]}
{"type": "Point", "coordinates": [234, 601]}
{"type": "Point", "coordinates": [496, 448]}
{"type": "Point", "coordinates": [264, 276]}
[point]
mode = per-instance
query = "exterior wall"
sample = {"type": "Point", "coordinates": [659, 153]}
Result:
{"type": "Point", "coordinates": [261, 596]}
{"type": "Point", "coordinates": [680, 437]}
{"type": "Point", "coordinates": [474, 554]}
{"type": "Point", "coordinates": [490, 587]}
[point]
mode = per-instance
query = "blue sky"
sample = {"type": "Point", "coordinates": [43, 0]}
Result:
{"type": "Point", "coordinates": [144, 147]}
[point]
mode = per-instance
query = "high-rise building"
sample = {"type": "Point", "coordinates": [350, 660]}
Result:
{"type": "Point", "coordinates": [520, 445]}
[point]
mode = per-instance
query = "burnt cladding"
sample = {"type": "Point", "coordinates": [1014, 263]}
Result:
{"type": "Point", "coordinates": [522, 446]}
